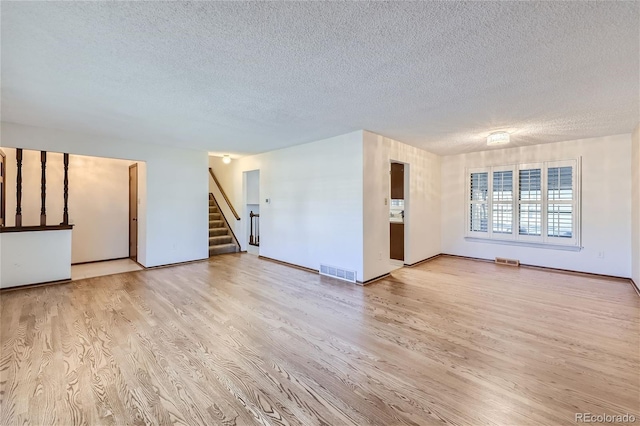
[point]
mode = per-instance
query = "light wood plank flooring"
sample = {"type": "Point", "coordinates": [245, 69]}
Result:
{"type": "Point", "coordinates": [240, 340]}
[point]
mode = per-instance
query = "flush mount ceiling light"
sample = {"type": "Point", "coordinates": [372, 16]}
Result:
{"type": "Point", "coordinates": [498, 138]}
{"type": "Point", "coordinates": [226, 159]}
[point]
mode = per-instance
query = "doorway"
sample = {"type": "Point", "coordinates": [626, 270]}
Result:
{"type": "Point", "coordinates": [3, 188]}
{"type": "Point", "coordinates": [133, 212]}
{"type": "Point", "coordinates": [397, 210]}
{"type": "Point", "coordinates": [252, 211]}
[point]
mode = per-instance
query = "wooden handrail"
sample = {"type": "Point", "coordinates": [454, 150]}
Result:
{"type": "Point", "coordinates": [7, 229]}
{"type": "Point", "coordinates": [224, 194]}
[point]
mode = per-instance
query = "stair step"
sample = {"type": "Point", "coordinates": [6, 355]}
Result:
{"type": "Point", "coordinates": [223, 248]}
{"type": "Point", "coordinates": [220, 239]}
{"type": "Point", "coordinates": [216, 224]}
{"type": "Point", "coordinates": [213, 209]}
{"type": "Point", "coordinates": [214, 232]}
{"type": "Point", "coordinates": [215, 216]}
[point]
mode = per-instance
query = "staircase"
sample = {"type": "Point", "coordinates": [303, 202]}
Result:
{"type": "Point", "coordinates": [221, 239]}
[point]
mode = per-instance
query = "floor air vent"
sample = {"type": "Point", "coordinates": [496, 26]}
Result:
{"type": "Point", "coordinates": [341, 274]}
{"type": "Point", "coordinates": [509, 262]}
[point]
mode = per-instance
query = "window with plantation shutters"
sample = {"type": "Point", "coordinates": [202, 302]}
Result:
{"type": "Point", "coordinates": [478, 202]}
{"type": "Point", "coordinates": [560, 202]}
{"type": "Point", "coordinates": [502, 202]}
{"type": "Point", "coordinates": [530, 201]}
{"type": "Point", "coordinates": [525, 203]}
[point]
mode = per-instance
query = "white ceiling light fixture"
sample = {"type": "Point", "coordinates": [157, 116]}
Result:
{"type": "Point", "coordinates": [498, 138]}
{"type": "Point", "coordinates": [226, 159]}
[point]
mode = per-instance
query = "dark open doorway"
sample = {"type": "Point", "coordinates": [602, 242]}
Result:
{"type": "Point", "coordinates": [397, 212]}
{"type": "Point", "coordinates": [133, 212]}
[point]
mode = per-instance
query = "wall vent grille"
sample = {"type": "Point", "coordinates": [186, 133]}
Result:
{"type": "Point", "coordinates": [508, 262]}
{"type": "Point", "coordinates": [339, 273]}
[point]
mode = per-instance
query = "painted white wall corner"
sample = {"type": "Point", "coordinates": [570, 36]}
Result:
{"type": "Point", "coordinates": [315, 213]}
{"type": "Point", "coordinates": [606, 205]}
{"type": "Point", "coordinates": [174, 202]}
{"type": "Point", "coordinates": [422, 215]}
{"type": "Point", "coordinates": [635, 205]}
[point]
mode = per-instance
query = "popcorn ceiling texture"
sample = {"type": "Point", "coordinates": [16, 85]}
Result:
{"type": "Point", "coordinates": [247, 77]}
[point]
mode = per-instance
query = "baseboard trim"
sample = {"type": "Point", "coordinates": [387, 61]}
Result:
{"type": "Point", "coordinates": [138, 263]}
{"type": "Point", "coordinates": [572, 272]}
{"type": "Point", "coordinates": [635, 287]}
{"type": "Point", "coordinates": [476, 259]}
{"type": "Point", "coordinates": [367, 282]}
{"type": "Point", "coordinates": [103, 260]}
{"type": "Point", "coordinates": [292, 265]}
{"type": "Point", "coordinates": [34, 285]}
{"type": "Point", "coordinates": [178, 263]}
{"type": "Point", "coordinates": [548, 268]}
{"type": "Point", "coordinates": [419, 262]}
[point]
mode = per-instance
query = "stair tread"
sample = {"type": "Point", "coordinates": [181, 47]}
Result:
{"type": "Point", "coordinates": [219, 240]}
{"type": "Point", "coordinates": [223, 248]}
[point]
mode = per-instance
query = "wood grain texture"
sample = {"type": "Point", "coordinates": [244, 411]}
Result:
{"type": "Point", "coordinates": [240, 340]}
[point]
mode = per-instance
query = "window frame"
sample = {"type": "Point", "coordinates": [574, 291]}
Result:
{"type": "Point", "coordinates": [531, 166]}
{"type": "Point", "coordinates": [501, 235]}
{"type": "Point", "coordinates": [575, 203]}
{"type": "Point", "coordinates": [515, 237]}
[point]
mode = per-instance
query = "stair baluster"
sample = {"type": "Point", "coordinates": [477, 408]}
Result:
{"type": "Point", "coordinates": [19, 188]}
{"type": "Point", "coordinates": [254, 240]}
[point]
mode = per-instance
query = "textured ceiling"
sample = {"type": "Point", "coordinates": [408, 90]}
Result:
{"type": "Point", "coordinates": [251, 77]}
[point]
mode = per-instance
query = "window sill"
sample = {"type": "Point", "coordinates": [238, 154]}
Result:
{"type": "Point", "coordinates": [523, 244]}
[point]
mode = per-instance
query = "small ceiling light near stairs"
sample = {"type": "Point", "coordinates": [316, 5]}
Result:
{"type": "Point", "coordinates": [498, 138]}
{"type": "Point", "coordinates": [226, 159]}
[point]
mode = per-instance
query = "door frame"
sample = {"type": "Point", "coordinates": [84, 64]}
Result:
{"type": "Point", "coordinates": [407, 217]}
{"type": "Point", "coordinates": [246, 226]}
{"type": "Point", "coordinates": [3, 189]}
{"type": "Point", "coordinates": [132, 232]}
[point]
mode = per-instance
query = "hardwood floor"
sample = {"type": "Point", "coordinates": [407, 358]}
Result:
{"type": "Point", "coordinates": [240, 340]}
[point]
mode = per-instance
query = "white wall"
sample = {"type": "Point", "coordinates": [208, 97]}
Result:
{"type": "Point", "coordinates": [252, 184]}
{"type": "Point", "coordinates": [34, 257]}
{"type": "Point", "coordinates": [175, 227]}
{"type": "Point", "coordinates": [98, 201]}
{"type": "Point", "coordinates": [422, 212]}
{"type": "Point", "coordinates": [606, 206]}
{"type": "Point", "coordinates": [315, 214]}
{"type": "Point", "coordinates": [635, 199]}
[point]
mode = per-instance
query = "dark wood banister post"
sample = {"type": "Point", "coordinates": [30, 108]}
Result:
{"type": "Point", "coordinates": [43, 189]}
{"type": "Point", "coordinates": [251, 223]}
{"type": "Point", "coordinates": [65, 214]}
{"type": "Point", "coordinates": [19, 188]}
{"type": "Point", "coordinates": [254, 240]}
